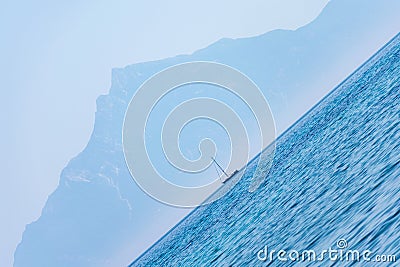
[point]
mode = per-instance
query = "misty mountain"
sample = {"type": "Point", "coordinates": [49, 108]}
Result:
{"type": "Point", "coordinates": [97, 216]}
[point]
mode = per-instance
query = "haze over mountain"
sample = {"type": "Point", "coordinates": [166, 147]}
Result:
{"type": "Point", "coordinates": [98, 217]}
{"type": "Point", "coordinates": [334, 185]}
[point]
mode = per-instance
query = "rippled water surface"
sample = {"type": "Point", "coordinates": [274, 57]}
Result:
{"type": "Point", "coordinates": [336, 175]}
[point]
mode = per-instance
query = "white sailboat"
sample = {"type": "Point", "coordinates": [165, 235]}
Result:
{"type": "Point", "coordinates": [217, 166]}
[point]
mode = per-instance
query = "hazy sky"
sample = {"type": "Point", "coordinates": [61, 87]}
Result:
{"type": "Point", "coordinates": [56, 58]}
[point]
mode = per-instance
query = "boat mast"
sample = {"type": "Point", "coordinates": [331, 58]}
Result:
{"type": "Point", "coordinates": [219, 166]}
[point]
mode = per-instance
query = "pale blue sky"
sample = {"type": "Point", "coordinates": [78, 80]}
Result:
{"type": "Point", "coordinates": [57, 58]}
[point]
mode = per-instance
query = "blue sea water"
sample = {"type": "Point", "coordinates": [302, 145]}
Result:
{"type": "Point", "coordinates": [335, 175]}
